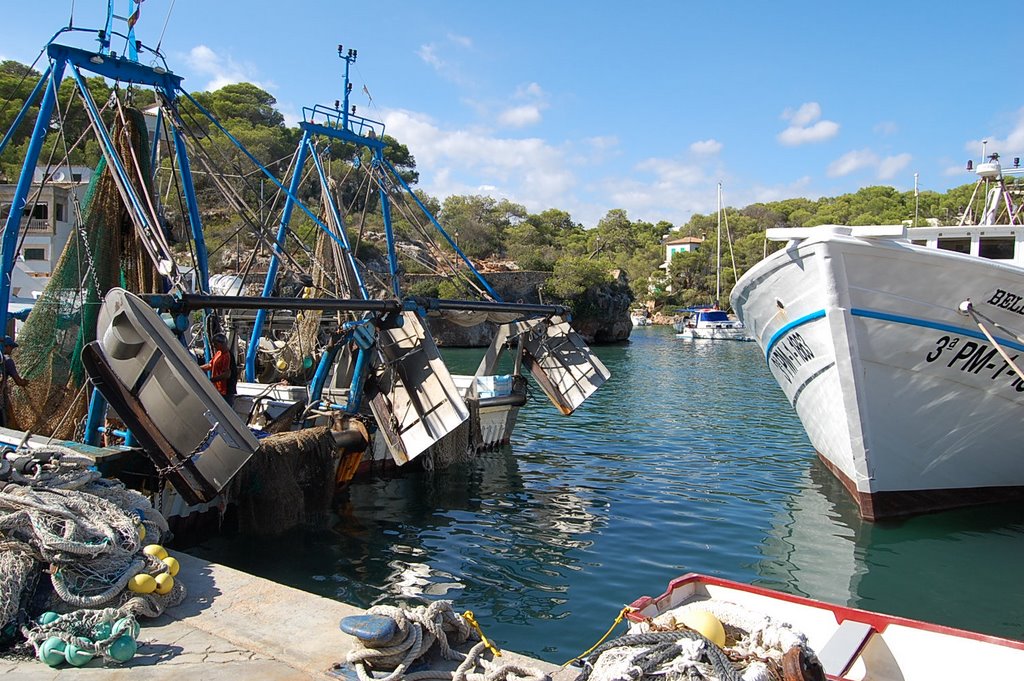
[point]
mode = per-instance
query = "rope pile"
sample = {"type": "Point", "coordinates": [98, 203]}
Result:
{"type": "Point", "coordinates": [71, 548]}
{"type": "Point", "coordinates": [423, 632]}
{"type": "Point", "coordinates": [754, 648]}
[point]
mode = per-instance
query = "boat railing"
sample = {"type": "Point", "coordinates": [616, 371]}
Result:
{"type": "Point", "coordinates": [338, 119]}
{"type": "Point", "coordinates": [860, 231]}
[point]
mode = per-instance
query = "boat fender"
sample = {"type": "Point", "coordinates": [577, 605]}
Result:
{"type": "Point", "coordinates": [372, 630]}
{"type": "Point", "coordinates": [798, 665]}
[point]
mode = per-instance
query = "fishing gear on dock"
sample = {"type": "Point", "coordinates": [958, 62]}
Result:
{"type": "Point", "coordinates": [395, 639]}
{"type": "Point", "coordinates": [76, 571]}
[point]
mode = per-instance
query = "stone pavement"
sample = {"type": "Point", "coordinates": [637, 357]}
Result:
{"type": "Point", "coordinates": [234, 626]}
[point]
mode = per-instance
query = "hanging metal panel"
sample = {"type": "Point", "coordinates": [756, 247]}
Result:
{"type": "Point", "coordinates": [414, 399]}
{"type": "Point", "coordinates": [561, 362]}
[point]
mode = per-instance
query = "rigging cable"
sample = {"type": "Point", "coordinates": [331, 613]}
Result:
{"type": "Point", "coordinates": [167, 20]}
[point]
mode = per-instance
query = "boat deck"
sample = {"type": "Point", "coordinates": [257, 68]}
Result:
{"type": "Point", "coordinates": [233, 626]}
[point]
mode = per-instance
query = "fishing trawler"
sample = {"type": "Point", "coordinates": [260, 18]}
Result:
{"type": "Point", "coordinates": [898, 347]}
{"type": "Point", "coordinates": [121, 310]}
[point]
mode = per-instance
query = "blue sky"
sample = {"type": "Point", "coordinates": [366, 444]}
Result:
{"type": "Point", "coordinates": [645, 106]}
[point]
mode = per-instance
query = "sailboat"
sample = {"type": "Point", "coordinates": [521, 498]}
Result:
{"type": "Point", "coordinates": [711, 323]}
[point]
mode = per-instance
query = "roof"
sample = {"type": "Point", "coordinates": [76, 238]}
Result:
{"type": "Point", "coordinates": [685, 240]}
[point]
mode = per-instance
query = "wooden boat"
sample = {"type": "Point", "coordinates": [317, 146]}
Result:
{"type": "Point", "coordinates": [896, 347]}
{"type": "Point", "coordinates": [849, 644]}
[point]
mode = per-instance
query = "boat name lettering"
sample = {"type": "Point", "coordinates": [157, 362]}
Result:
{"type": "Point", "coordinates": [1008, 301]}
{"type": "Point", "coordinates": [790, 354]}
{"type": "Point", "coordinates": [975, 358]}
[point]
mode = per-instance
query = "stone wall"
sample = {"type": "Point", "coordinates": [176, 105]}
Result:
{"type": "Point", "coordinates": [604, 317]}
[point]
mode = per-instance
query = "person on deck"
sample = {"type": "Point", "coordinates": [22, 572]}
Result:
{"type": "Point", "coordinates": [8, 371]}
{"type": "Point", "coordinates": [220, 368]}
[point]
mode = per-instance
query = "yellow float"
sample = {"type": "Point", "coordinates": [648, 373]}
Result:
{"type": "Point", "coordinates": [142, 584]}
{"type": "Point", "coordinates": [705, 624]}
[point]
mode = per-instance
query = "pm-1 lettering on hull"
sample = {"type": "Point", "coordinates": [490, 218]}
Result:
{"type": "Point", "coordinates": [976, 358]}
{"type": "Point", "coordinates": [790, 354]}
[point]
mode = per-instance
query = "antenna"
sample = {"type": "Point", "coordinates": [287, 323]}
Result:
{"type": "Point", "coordinates": [350, 58]}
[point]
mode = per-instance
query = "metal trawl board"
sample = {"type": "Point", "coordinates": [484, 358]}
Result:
{"type": "Point", "coordinates": [562, 364]}
{"type": "Point", "coordinates": [417, 402]}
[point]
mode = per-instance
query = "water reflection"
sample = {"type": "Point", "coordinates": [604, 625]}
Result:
{"type": "Point", "coordinates": [951, 568]}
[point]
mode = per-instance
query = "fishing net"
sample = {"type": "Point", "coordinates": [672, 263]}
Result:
{"type": "Point", "coordinates": [288, 482]}
{"type": "Point", "coordinates": [65, 528]}
{"type": "Point", "coordinates": [103, 254]}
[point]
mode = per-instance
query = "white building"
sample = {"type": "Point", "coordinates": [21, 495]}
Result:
{"type": "Point", "coordinates": [49, 217]}
{"type": "Point", "coordinates": [681, 245]}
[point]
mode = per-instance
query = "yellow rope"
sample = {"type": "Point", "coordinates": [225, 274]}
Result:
{"type": "Point", "coordinates": [618, 620]}
{"type": "Point", "coordinates": [468, 616]}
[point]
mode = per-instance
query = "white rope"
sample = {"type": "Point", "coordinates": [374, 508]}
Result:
{"type": "Point", "coordinates": [419, 629]}
{"type": "Point", "coordinates": [967, 308]}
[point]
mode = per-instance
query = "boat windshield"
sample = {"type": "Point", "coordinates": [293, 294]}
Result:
{"type": "Point", "coordinates": [714, 316]}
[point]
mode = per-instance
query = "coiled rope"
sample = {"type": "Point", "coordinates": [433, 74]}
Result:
{"type": "Point", "coordinates": [661, 648]}
{"type": "Point", "coordinates": [419, 630]}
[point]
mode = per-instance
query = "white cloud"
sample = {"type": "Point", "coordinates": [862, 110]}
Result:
{"type": "Point", "coordinates": [804, 116]}
{"type": "Point", "coordinates": [1013, 143]}
{"type": "Point", "coordinates": [886, 128]}
{"type": "Point", "coordinates": [851, 162]}
{"type": "Point", "coordinates": [520, 116]}
{"type": "Point", "coordinates": [428, 53]}
{"type": "Point", "coordinates": [763, 194]}
{"type": "Point", "coordinates": [527, 171]}
{"type": "Point", "coordinates": [221, 70]}
{"type": "Point", "coordinates": [819, 132]}
{"type": "Point", "coordinates": [530, 90]}
{"type": "Point", "coordinates": [891, 166]}
{"type": "Point", "coordinates": [524, 114]}
{"type": "Point", "coordinates": [708, 147]}
{"type": "Point", "coordinates": [802, 126]}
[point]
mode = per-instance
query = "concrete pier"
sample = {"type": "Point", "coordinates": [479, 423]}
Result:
{"type": "Point", "coordinates": [235, 626]}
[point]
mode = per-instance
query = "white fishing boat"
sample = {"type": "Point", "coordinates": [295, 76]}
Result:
{"type": "Point", "coordinates": [804, 638]}
{"type": "Point", "coordinates": [897, 347]}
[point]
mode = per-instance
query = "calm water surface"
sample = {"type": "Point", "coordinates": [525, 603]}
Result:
{"type": "Point", "coordinates": [690, 459]}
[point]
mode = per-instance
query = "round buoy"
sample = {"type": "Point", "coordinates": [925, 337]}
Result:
{"type": "Point", "coordinates": [164, 583]}
{"type": "Point", "coordinates": [142, 583]}
{"type": "Point", "coordinates": [281, 365]}
{"type": "Point", "coordinates": [123, 649]}
{"type": "Point", "coordinates": [102, 631]}
{"type": "Point", "coordinates": [52, 651]}
{"type": "Point", "coordinates": [47, 617]}
{"type": "Point", "coordinates": [75, 656]}
{"type": "Point", "coordinates": [172, 565]}
{"type": "Point", "coordinates": [155, 550]}
{"type": "Point", "coordinates": [126, 626]}
{"type": "Point", "coordinates": [706, 624]}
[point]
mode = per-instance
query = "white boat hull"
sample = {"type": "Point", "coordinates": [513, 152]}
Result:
{"type": "Point", "coordinates": [732, 334]}
{"type": "Point", "coordinates": [903, 396]}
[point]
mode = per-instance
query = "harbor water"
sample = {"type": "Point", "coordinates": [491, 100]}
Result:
{"type": "Point", "coordinates": [689, 459]}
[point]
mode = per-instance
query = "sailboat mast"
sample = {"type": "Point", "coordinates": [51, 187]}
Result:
{"type": "Point", "coordinates": [718, 252]}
